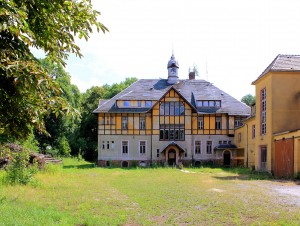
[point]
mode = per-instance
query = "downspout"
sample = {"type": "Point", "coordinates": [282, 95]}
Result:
{"type": "Point", "coordinates": [247, 146]}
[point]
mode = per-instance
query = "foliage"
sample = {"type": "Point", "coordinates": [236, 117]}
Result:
{"type": "Point", "coordinates": [18, 170]}
{"type": "Point", "coordinates": [63, 146]}
{"type": "Point", "coordinates": [27, 93]}
{"type": "Point", "coordinates": [248, 99]}
{"type": "Point", "coordinates": [86, 139]}
{"type": "Point", "coordinates": [31, 143]}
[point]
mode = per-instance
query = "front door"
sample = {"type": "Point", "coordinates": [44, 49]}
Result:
{"type": "Point", "coordinates": [226, 158]}
{"type": "Point", "coordinates": [172, 157]}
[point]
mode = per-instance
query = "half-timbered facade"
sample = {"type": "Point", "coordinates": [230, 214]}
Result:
{"type": "Point", "coordinates": [169, 121]}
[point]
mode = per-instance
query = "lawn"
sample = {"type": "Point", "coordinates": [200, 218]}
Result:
{"type": "Point", "coordinates": [78, 193]}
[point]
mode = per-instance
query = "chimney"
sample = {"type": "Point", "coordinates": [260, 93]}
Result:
{"type": "Point", "coordinates": [192, 75]}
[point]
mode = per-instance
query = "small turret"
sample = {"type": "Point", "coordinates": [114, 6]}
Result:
{"type": "Point", "coordinates": [173, 67]}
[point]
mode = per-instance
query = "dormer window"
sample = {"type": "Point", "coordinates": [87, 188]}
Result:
{"type": "Point", "coordinates": [126, 103]}
{"type": "Point", "coordinates": [209, 103]}
{"type": "Point", "coordinates": [148, 103]}
{"type": "Point", "coordinates": [139, 103]}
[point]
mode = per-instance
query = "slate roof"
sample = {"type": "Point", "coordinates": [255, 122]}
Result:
{"type": "Point", "coordinates": [282, 63]}
{"type": "Point", "coordinates": [191, 90]}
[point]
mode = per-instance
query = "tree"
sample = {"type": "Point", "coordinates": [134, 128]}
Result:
{"type": "Point", "coordinates": [27, 92]}
{"type": "Point", "coordinates": [248, 99]}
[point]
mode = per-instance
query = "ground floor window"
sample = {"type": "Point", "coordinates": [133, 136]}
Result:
{"type": "Point", "coordinates": [263, 157]}
{"type": "Point", "coordinates": [142, 146]}
{"type": "Point", "coordinates": [197, 147]}
{"type": "Point", "coordinates": [124, 147]}
{"type": "Point", "coordinates": [208, 147]}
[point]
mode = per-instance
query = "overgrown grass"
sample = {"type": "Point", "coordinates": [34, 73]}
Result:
{"type": "Point", "coordinates": [78, 193]}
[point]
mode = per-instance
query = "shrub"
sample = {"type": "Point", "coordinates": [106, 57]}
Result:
{"type": "Point", "coordinates": [18, 170]}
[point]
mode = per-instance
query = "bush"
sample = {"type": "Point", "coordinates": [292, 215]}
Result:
{"type": "Point", "coordinates": [18, 170]}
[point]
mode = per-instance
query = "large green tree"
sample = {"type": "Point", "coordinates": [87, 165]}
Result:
{"type": "Point", "coordinates": [27, 92]}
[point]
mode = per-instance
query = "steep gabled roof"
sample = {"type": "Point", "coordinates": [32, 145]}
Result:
{"type": "Point", "coordinates": [282, 63]}
{"type": "Point", "coordinates": [190, 90]}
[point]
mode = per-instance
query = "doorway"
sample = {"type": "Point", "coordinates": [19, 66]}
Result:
{"type": "Point", "coordinates": [172, 157]}
{"type": "Point", "coordinates": [226, 158]}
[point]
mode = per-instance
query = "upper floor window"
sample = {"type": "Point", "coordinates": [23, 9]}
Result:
{"type": "Point", "coordinates": [218, 122]}
{"type": "Point", "coordinates": [209, 103]}
{"type": "Point", "coordinates": [200, 122]}
{"type": "Point", "coordinates": [142, 123]}
{"type": "Point", "coordinates": [102, 120]}
{"type": "Point", "coordinates": [263, 111]}
{"type": "Point", "coordinates": [148, 103]}
{"type": "Point", "coordinates": [124, 122]}
{"type": "Point", "coordinates": [239, 137]}
{"type": "Point", "coordinates": [171, 108]}
{"type": "Point", "coordinates": [139, 103]}
{"type": "Point", "coordinates": [171, 132]}
{"type": "Point", "coordinates": [238, 121]}
{"type": "Point", "coordinates": [126, 103]}
{"type": "Point", "coordinates": [253, 131]}
{"type": "Point", "coordinates": [197, 147]}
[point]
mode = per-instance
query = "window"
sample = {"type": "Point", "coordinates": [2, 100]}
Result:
{"type": "Point", "coordinates": [112, 145]}
{"type": "Point", "coordinates": [263, 157]}
{"type": "Point", "coordinates": [218, 122]}
{"type": "Point", "coordinates": [139, 103]}
{"type": "Point", "coordinates": [107, 120]}
{"type": "Point", "coordinates": [126, 103]}
{"type": "Point", "coordinates": [124, 147]}
{"type": "Point", "coordinates": [237, 121]}
{"type": "Point", "coordinates": [263, 111]}
{"type": "Point", "coordinates": [220, 142]}
{"type": "Point", "coordinates": [239, 137]}
{"type": "Point", "coordinates": [103, 120]}
{"type": "Point", "coordinates": [171, 132]}
{"type": "Point", "coordinates": [171, 108]}
{"type": "Point", "coordinates": [197, 147]}
{"type": "Point", "coordinates": [208, 147]}
{"type": "Point", "coordinates": [142, 123]}
{"type": "Point", "coordinates": [200, 122]}
{"type": "Point", "coordinates": [229, 142]}
{"type": "Point", "coordinates": [157, 153]}
{"type": "Point", "coordinates": [148, 103]}
{"type": "Point", "coordinates": [224, 141]}
{"type": "Point", "coordinates": [209, 103]}
{"type": "Point", "coordinates": [107, 145]}
{"type": "Point", "coordinates": [124, 122]}
{"type": "Point", "coordinates": [103, 145]}
{"type": "Point", "coordinates": [112, 120]}
{"type": "Point", "coordinates": [142, 147]}
{"type": "Point", "coordinates": [253, 131]}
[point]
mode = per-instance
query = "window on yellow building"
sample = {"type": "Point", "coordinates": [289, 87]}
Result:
{"type": "Point", "coordinates": [263, 111]}
{"type": "Point", "coordinates": [142, 123]}
{"type": "Point", "coordinates": [239, 137]}
{"type": "Point", "coordinates": [218, 122]}
{"type": "Point", "coordinates": [126, 103]}
{"type": "Point", "coordinates": [139, 103]}
{"type": "Point", "coordinates": [171, 132]}
{"type": "Point", "coordinates": [253, 131]}
{"type": "Point", "coordinates": [148, 103]}
{"type": "Point", "coordinates": [197, 147]}
{"type": "Point", "coordinates": [171, 108]}
{"type": "Point", "coordinates": [124, 122]}
{"type": "Point", "coordinates": [200, 122]}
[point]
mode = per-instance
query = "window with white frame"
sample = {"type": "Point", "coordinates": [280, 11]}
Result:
{"type": "Point", "coordinates": [142, 123]}
{"type": "Point", "coordinates": [208, 147]}
{"type": "Point", "coordinates": [263, 111]}
{"type": "Point", "coordinates": [200, 122]}
{"type": "Point", "coordinates": [125, 147]}
{"type": "Point", "coordinates": [197, 147]}
{"type": "Point", "coordinates": [124, 122]}
{"type": "Point", "coordinates": [142, 147]}
{"type": "Point", "coordinates": [218, 122]}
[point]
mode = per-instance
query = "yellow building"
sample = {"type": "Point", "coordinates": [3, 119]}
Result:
{"type": "Point", "coordinates": [170, 121]}
{"type": "Point", "coordinates": [277, 112]}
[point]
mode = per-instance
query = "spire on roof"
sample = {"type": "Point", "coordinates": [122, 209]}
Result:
{"type": "Point", "coordinates": [173, 70]}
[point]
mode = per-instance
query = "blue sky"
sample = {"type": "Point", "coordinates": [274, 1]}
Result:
{"type": "Point", "coordinates": [236, 39]}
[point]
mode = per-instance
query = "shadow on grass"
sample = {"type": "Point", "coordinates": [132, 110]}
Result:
{"type": "Point", "coordinates": [82, 166]}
